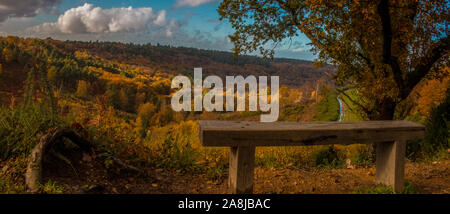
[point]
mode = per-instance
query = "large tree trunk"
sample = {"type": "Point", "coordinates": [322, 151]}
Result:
{"type": "Point", "coordinates": [386, 112]}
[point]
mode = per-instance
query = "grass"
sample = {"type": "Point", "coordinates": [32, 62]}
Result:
{"type": "Point", "coordinates": [8, 186]}
{"type": "Point", "coordinates": [383, 189]}
{"type": "Point", "coordinates": [291, 113]}
{"type": "Point", "coordinates": [19, 128]}
{"type": "Point", "coordinates": [51, 188]}
{"type": "Point", "coordinates": [10, 178]}
{"type": "Point", "coordinates": [328, 108]}
{"type": "Point", "coordinates": [350, 109]}
{"type": "Point", "coordinates": [280, 157]}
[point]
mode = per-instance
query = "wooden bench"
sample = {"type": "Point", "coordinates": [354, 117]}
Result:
{"type": "Point", "coordinates": [243, 137]}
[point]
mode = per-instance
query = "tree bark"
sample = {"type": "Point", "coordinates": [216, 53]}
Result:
{"type": "Point", "coordinates": [386, 112]}
{"type": "Point", "coordinates": [33, 174]}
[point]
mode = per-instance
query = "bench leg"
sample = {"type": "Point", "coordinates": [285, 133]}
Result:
{"type": "Point", "coordinates": [390, 162]}
{"type": "Point", "coordinates": [242, 164]}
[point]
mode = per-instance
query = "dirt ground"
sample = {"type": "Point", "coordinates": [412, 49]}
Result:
{"type": "Point", "coordinates": [90, 176]}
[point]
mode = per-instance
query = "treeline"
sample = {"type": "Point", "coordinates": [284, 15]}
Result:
{"type": "Point", "coordinates": [155, 51]}
{"type": "Point", "coordinates": [182, 60]}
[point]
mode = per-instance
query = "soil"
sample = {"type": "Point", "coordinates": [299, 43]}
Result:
{"type": "Point", "coordinates": [91, 176]}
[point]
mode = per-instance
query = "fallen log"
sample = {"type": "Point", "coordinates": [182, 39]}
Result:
{"type": "Point", "coordinates": [33, 174]}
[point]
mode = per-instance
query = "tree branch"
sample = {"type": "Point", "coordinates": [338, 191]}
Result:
{"type": "Point", "coordinates": [383, 11]}
{"type": "Point", "coordinates": [367, 111]}
{"type": "Point", "coordinates": [425, 64]}
{"type": "Point", "coordinates": [367, 60]}
{"type": "Point", "coordinates": [294, 20]}
{"type": "Point", "coordinates": [392, 61]}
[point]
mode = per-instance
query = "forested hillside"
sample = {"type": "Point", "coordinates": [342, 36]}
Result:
{"type": "Point", "coordinates": [116, 95]}
{"type": "Point", "coordinates": [69, 62]}
{"type": "Point", "coordinates": [180, 60]}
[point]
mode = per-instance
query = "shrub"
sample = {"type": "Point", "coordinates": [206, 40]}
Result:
{"type": "Point", "coordinates": [20, 127]}
{"type": "Point", "coordinates": [383, 189]}
{"type": "Point", "coordinates": [51, 188]}
{"type": "Point", "coordinates": [82, 89]}
{"type": "Point", "coordinates": [282, 157]}
{"type": "Point", "coordinates": [145, 113]}
{"type": "Point", "coordinates": [174, 146]}
{"type": "Point", "coordinates": [326, 156]}
{"type": "Point", "coordinates": [8, 186]}
{"type": "Point", "coordinates": [174, 153]}
{"type": "Point", "coordinates": [364, 156]}
{"type": "Point", "coordinates": [164, 117]}
{"type": "Point", "coordinates": [437, 127]}
{"type": "Point", "coordinates": [218, 166]}
{"type": "Point", "coordinates": [291, 113]}
{"type": "Point", "coordinates": [436, 133]}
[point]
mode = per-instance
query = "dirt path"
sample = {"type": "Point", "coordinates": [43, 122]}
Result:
{"type": "Point", "coordinates": [92, 177]}
{"type": "Point", "coordinates": [341, 109]}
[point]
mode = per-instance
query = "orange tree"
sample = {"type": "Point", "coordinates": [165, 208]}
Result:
{"type": "Point", "coordinates": [384, 48]}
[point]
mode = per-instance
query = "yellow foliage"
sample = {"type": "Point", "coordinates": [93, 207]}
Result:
{"type": "Point", "coordinates": [80, 54]}
{"type": "Point", "coordinates": [146, 110]}
{"type": "Point", "coordinates": [431, 94]}
{"type": "Point", "coordinates": [82, 89]}
{"type": "Point", "coordinates": [8, 54]}
{"type": "Point", "coordinates": [123, 99]}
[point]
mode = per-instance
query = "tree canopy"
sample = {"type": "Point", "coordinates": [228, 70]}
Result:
{"type": "Point", "coordinates": [382, 47]}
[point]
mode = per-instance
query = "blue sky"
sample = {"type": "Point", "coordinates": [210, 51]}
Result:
{"type": "Point", "coordinates": [190, 23]}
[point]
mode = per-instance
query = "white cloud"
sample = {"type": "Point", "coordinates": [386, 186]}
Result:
{"type": "Point", "coordinates": [90, 19]}
{"type": "Point", "coordinates": [172, 26]}
{"type": "Point", "coordinates": [300, 49]}
{"type": "Point", "coordinates": [161, 19]}
{"type": "Point", "coordinates": [191, 3]}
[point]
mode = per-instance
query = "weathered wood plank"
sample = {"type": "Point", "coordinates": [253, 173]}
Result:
{"type": "Point", "coordinates": [244, 133]}
{"type": "Point", "coordinates": [242, 163]}
{"type": "Point", "coordinates": [391, 164]}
